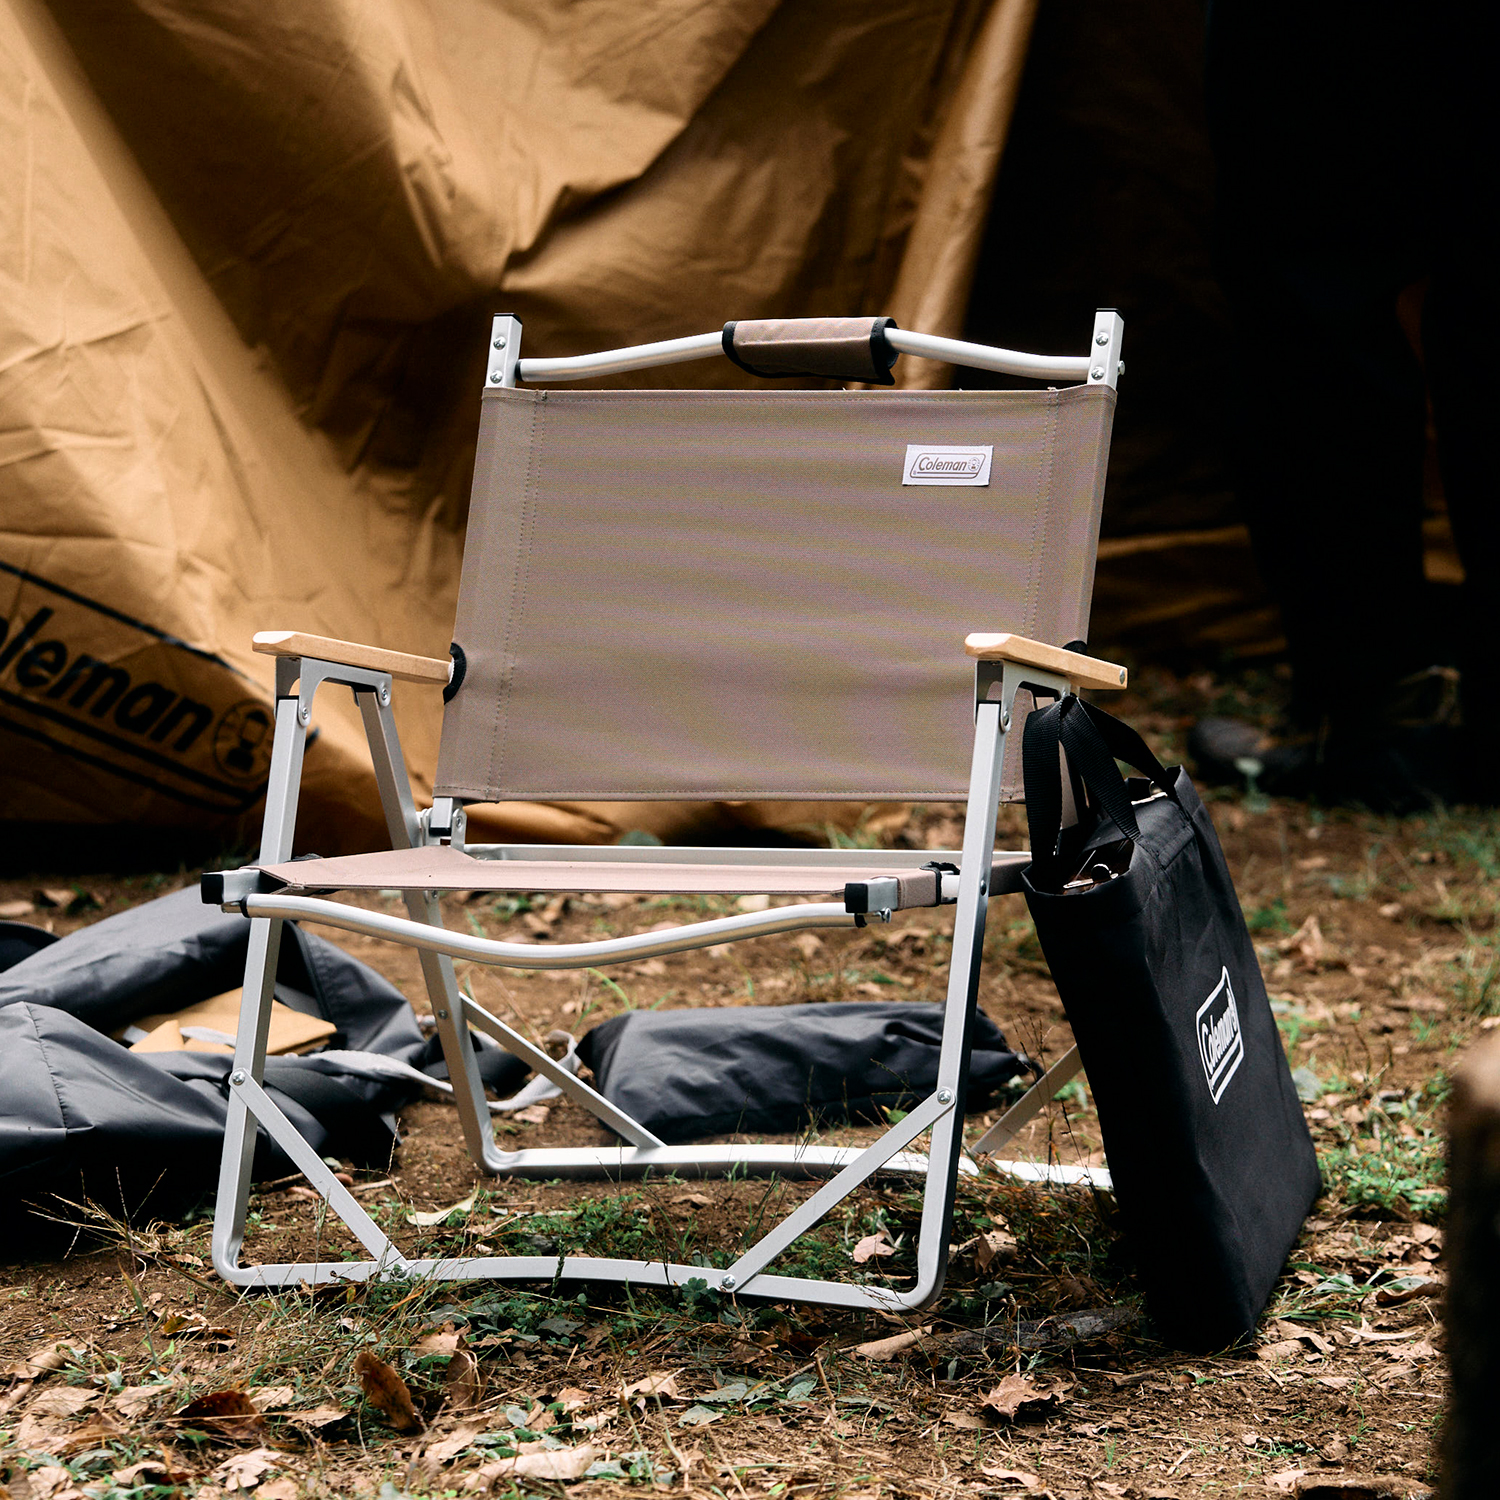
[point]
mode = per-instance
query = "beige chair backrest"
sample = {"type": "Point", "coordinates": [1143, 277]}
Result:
{"type": "Point", "coordinates": [716, 595]}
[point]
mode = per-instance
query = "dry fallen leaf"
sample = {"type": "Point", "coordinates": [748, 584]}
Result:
{"type": "Point", "coordinates": [285, 1488]}
{"type": "Point", "coordinates": [595, 1422]}
{"type": "Point", "coordinates": [1283, 1349]}
{"type": "Point", "coordinates": [963, 1419]}
{"type": "Point", "coordinates": [271, 1397]}
{"type": "Point", "coordinates": [1285, 1480]}
{"type": "Point", "coordinates": [40, 1362]}
{"type": "Point", "coordinates": [149, 1472]}
{"type": "Point", "coordinates": [46, 1358]}
{"type": "Point", "coordinates": [427, 1220]}
{"type": "Point", "coordinates": [45, 1437]}
{"type": "Point", "coordinates": [998, 1244]}
{"type": "Point", "coordinates": [246, 1470]}
{"type": "Point", "coordinates": [52, 1482]}
{"type": "Point", "coordinates": [1297, 1334]}
{"type": "Point", "coordinates": [1423, 1349]}
{"type": "Point", "coordinates": [230, 1414]}
{"type": "Point", "coordinates": [883, 1349]}
{"type": "Point", "coordinates": [463, 1385]}
{"type": "Point", "coordinates": [661, 1383]}
{"type": "Point", "coordinates": [533, 1461]}
{"type": "Point", "coordinates": [175, 1324]}
{"type": "Point", "coordinates": [872, 1245]}
{"type": "Point", "coordinates": [1364, 1334]}
{"type": "Point", "coordinates": [445, 1450]}
{"type": "Point", "coordinates": [440, 1341]}
{"type": "Point", "coordinates": [1394, 1296]}
{"type": "Point", "coordinates": [317, 1417]}
{"type": "Point", "coordinates": [1011, 1476]}
{"type": "Point", "coordinates": [1307, 943]}
{"type": "Point", "coordinates": [1017, 1392]}
{"type": "Point", "coordinates": [66, 1401]}
{"type": "Point", "coordinates": [386, 1391]}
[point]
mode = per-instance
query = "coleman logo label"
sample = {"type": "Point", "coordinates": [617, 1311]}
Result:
{"type": "Point", "coordinates": [141, 714]}
{"type": "Point", "coordinates": [1220, 1044]}
{"type": "Point", "coordinates": [934, 463]}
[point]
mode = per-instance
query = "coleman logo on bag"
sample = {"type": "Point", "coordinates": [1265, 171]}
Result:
{"type": "Point", "coordinates": [1220, 1044]}
{"type": "Point", "coordinates": [934, 463]}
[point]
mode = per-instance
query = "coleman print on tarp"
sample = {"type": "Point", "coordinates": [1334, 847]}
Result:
{"type": "Point", "coordinates": [114, 695]}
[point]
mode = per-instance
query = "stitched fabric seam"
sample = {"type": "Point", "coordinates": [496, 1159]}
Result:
{"type": "Point", "coordinates": [62, 1109]}
{"type": "Point", "coordinates": [517, 593]}
{"type": "Point", "coordinates": [1039, 519]}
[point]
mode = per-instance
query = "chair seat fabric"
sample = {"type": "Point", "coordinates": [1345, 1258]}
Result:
{"type": "Point", "coordinates": [440, 867]}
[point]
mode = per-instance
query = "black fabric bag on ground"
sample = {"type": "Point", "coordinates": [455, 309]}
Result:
{"type": "Point", "coordinates": [773, 1069]}
{"type": "Point", "coordinates": [1212, 1162]}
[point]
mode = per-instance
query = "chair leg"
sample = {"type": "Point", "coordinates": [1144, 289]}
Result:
{"type": "Point", "coordinates": [437, 970]}
{"type": "Point", "coordinates": [991, 721]}
{"type": "Point", "coordinates": [264, 948]}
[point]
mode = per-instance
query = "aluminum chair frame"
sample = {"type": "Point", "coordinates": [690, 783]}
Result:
{"type": "Point", "coordinates": [1004, 667]}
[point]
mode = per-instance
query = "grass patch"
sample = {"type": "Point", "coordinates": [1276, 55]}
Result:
{"type": "Point", "coordinates": [1392, 1163]}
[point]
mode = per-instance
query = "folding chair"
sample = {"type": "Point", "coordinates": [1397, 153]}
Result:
{"type": "Point", "coordinates": [707, 595]}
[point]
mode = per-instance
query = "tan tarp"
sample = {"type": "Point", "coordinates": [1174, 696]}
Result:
{"type": "Point", "coordinates": [248, 252]}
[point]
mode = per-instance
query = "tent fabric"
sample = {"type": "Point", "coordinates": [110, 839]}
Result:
{"type": "Point", "coordinates": [245, 282]}
{"type": "Point", "coordinates": [175, 951]}
{"type": "Point", "coordinates": [80, 1111]}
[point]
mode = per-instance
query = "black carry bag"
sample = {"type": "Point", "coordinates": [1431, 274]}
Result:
{"type": "Point", "coordinates": [774, 1069]}
{"type": "Point", "coordinates": [1212, 1162]}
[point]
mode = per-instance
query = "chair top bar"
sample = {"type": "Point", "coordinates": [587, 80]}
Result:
{"type": "Point", "coordinates": [1099, 366]}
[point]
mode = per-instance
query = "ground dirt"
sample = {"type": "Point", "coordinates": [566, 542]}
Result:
{"type": "Point", "coordinates": [1036, 1372]}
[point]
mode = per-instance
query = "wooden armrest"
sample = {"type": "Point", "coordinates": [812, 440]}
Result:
{"type": "Point", "coordinates": [350, 654]}
{"type": "Point", "coordinates": [1081, 671]}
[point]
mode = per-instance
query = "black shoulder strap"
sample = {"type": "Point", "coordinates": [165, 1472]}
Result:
{"type": "Point", "coordinates": [1041, 775]}
{"type": "Point", "coordinates": [1093, 740]}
